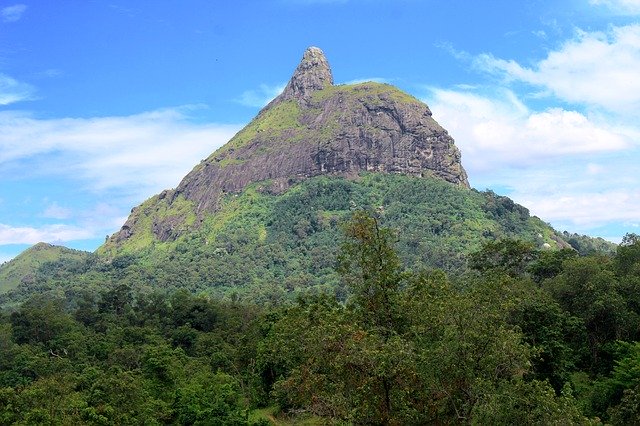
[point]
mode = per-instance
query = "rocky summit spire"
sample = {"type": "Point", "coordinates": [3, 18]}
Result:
{"type": "Point", "coordinates": [313, 73]}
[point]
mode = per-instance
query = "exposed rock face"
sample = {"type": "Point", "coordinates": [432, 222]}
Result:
{"type": "Point", "coordinates": [313, 128]}
{"type": "Point", "coordinates": [312, 74]}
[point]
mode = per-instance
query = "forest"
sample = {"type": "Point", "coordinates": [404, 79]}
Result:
{"type": "Point", "coordinates": [522, 335]}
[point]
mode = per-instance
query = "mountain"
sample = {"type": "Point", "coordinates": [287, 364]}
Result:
{"type": "Point", "coordinates": [261, 217]}
{"type": "Point", "coordinates": [313, 128]}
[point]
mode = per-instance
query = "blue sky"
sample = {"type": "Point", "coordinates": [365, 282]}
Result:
{"type": "Point", "coordinates": [104, 103]}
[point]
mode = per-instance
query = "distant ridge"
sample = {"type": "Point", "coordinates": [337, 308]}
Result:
{"type": "Point", "coordinates": [21, 269]}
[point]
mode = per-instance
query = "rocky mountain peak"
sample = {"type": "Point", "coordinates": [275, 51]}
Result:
{"type": "Point", "coordinates": [313, 128]}
{"type": "Point", "coordinates": [312, 74]}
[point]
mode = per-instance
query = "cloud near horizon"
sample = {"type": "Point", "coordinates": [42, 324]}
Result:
{"type": "Point", "coordinates": [501, 131]}
{"type": "Point", "coordinates": [136, 154]}
{"type": "Point", "coordinates": [116, 161]}
{"type": "Point", "coordinates": [54, 234]}
{"type": "Point", "coordinates": [566, 168]}
{"type": "Point", "coordinates": [574, 163]}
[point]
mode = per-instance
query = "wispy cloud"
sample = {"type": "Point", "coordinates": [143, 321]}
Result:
{"type": "Point", "coordinates": [580, 195]}
{"type": "Point", "coordinates": [12, 91]}
{"type": "Point", "coordinates": [573, 161]}
{"type": "Point", "coordinates": [74, 225]}
{"type": "Point", "coordinates": [55, 211]}
{"type": "Point", "coordinates": [54, 234]}
{"type": "Point", "coordinates": [588, 209]}
{"type": "Point", "coordinates": [461, 55]}
{"type": "Point", "coordinates": [631, 7]}
{"type": "Point", "coordinates": [138, 154]}
{"type": "Point", "coordinates": [261, 96]}
{"type": "Point", "coordinates": [102, 217]}
{"type": "Point", "coordinates": [12, 13]}
{"type": "Point", "coordinates": [122, 159]}
{"type": "Point", "coordinates": [599, 69]}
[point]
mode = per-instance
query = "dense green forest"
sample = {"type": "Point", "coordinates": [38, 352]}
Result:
{"type": "Point", "coordinates": [522, 335]}
{"type": "Point", "coordinates": [267, 248]}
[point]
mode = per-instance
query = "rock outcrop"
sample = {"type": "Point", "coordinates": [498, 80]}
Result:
{"type": "Point", "coordinates": [315, 127]}
{"type": "Point", "coordinates": [313, 73]}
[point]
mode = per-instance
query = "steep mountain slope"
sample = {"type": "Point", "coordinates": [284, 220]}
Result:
{"type": "Point", "coordinates": [272, 246]}
{"type": "Point", "coordinates": [267, 247]}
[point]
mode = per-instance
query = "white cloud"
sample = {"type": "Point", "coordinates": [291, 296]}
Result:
{"type": "Point", "coordinates": [260, 97]}
{"type": "Point", "coordinates": [587, 209]}
{"type": "Point", "coordinates": [12, 90]}
{"type": "Point", "coordinates": [575, 171]}
{"type": "Point", "coordinates": [55, 211]}
{"type": "Point", "coordinates": [120, 159]}
{"type": "Point", "coordinates": [631, 7]}
{"type": "Point", "coordinates": [103, 217]}
{"type": "Point", "coordinates": [367, 80]}
{"type": "Point", "coordinates": [568, 191]}
{"type": "Point", "coordinates": [574, 166]}
{"type": "Point", "coordinates": [54, 234]}
{"type": "Point", "coordinates": [599, 69]}
{"type": "Point", "coordinates": [595, 169]}
{"type": "Point", "coordinates": [138, 154]}
{"type": "Point", "coordinates": [12, 13]}
{"type": "Point", "coordinates": [501, 131]}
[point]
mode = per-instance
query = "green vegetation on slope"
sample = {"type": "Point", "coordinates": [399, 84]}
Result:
{"type": "Point", "coordinates": [270, 123]}
{"type": "Point", "coordinates": [21, 269]}
{"type": "Point", "coordinates": [290, 238]}
{"type": "Point", "coordinates": [370, 90]}
{"type": "Point", "coordinates": [269, 248]}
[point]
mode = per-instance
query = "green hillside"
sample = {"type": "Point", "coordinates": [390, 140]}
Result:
{"type": "Point", "coordinates": [23, 268]}
{"type": "Point", "coordinates": [268, 248]}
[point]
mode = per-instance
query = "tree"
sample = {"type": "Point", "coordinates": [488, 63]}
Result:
{"type": "Point", "coordinates": [41, 320]}
{"type": "Point", "coordinates": [550, 263]}
{"type": "Point", "coordinates": [627, 259]}
{"type": "Point", "coordinates": [508, 256]}
{"type": "Point", "coordinates": [588, 289]}
{"type": "Point", "coordinates": [372, 271]}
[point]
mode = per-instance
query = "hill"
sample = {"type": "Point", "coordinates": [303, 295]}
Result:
{"type": "Point", "coordinates": [22, 269]}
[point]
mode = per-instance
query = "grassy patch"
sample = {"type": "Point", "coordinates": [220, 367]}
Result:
{"type": "Point", "coordinates": [272, 415]}
{"type": "Point", "coordinates": [272, 122]}
{"type": "Point", "coordinates": [369, 90]}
